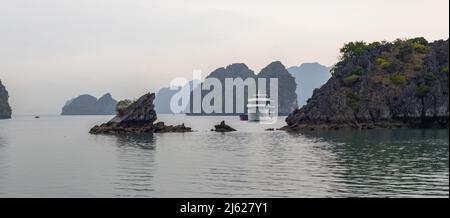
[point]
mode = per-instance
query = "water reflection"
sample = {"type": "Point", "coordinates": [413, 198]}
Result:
{"type": "Point", "coordinates": [262, 164]}
{"type": "Point", "coordinates": [389, 162]}
{"type": "Point", "coordinates": [3, 163]}
{"type": "Point", "coordinates": [142, 141]}
{"type": "Point", "coordinates": [56, 157]}
{"type": "Point", "coordinates": [135, 165]}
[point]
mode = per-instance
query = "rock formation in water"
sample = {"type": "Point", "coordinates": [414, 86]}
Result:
{"type": "Point", "coordinates": [222, 127]}
{"type": "Point", "coordinates": [286, 87]}
{"type": "Point", "coordinates": [160, 127]}
{"type": "Point", "coordinates": [232, 71]}
{"type": "Point", "coordinates": [5, 109]}
{"type": "Point", "coordinates": [287, 98]}
{"type": "Point", "coordinates": [89, 105]}
{"type": "Point", "coordinates": [137, 118]}
{"type": "Point", "coordinates": [382, 85]}
{"type": "Point", "coordinates": [309, 76]}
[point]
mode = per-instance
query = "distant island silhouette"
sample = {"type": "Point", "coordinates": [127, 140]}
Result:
{"type": "Point", "coordinates": [89, 105]}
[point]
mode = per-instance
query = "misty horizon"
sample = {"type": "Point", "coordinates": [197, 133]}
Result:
{"type": "Point", "coordinates": [53, 51]}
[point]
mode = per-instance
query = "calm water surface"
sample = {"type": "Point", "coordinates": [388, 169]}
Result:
{"type": "Point", "coordinates": [56, 157]}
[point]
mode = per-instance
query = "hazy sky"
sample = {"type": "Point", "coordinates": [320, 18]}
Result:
{"type": "Point", "coordinates": [53, 50]}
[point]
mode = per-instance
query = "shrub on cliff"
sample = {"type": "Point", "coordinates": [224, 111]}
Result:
{"type": "Point", "coordinates": [420, 48]}
{"type": "Point", "coordinates": [404, 84]}
{"type": "Point", "coordinates": [417, 67]}
{"type": "Point", "coordinates": [350, 80]}
{"type": "Point", "coordinates": [354, 100]}
{"type": "Point", "coordinates": [399, 79]}
{"type": "Point", "coordinates": [430, 76]}
{"type": "Point", "coordinates": [353, 49]}
{"type": "Point", "coordinates": [122, 106]}
{"type": "Point", "coordinates": [444, 70]}
{"type": "Point", "coordinates": [383, 63]}
{"type": "Point", "coordinates": [422, 90]}
{"type": "Point", "coordinates": [406, 52]}
{"type": "Point", "coordinates": [419, 40]}
{"type": "Point", "coordinates": [358, 71]}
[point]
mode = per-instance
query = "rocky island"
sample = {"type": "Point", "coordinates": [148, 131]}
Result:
{"type": "Point", "coordinates": [287, 98]}
{"type": "Point", "coordinates": [232, 71]}
{"type": "Point", "coordinates": [5, 109]}
{"type": "Point", "coordinates": [222, 127]}
{"type": "Point", "coordinates": [89, 105]}
{"type": "Point", "coordinates": [402, 84]}
{"type": "Point", "coordinates": [137, 118]}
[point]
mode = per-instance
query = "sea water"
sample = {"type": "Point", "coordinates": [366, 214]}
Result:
{"type": "Point", "coordinates": [55, 156]}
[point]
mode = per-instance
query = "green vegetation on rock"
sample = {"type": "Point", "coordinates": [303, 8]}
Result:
{"type": "Point", "coordinates": [405, 53]}
{"type": "Point", "coordinates": [383, 63]}
{"type": "Point", "coordinates": [399, 79]}
{"type": "Point", "coordinates": [417, 67]}
{"type": "Point", "coordinates": [358, 71]}
{"type": "Point", "coordinates": [430, 76]}
{"type": "Point", "coordinates": [354, 100]}
{"type": "Point", "coordinates": [422, 90]}
{"type": "Point", "coordinates": [350, 80]}
{"type": "Point", "coordinates": [382, 85]}
{"type": "Point", "coordinates": [419, 40]}
{"type": "Point", "coordinates": [353, 49]}
{"type": "Point", "coordinates": [122, 106]}
{"type": "Point", "coordinates": [423, 49]}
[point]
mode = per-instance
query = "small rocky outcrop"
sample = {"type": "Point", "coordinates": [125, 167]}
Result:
{"type": "Point", "coordinates": [89, 105]}
{"type": "Point", "coordinates": [5, 109]}
{"type": "Point", "coordinates": [160, 127]}
{"type": "Point", "coordinates": [222, 127]}
{"type": "Point", "coordinates": [137, 118]}
{"type": "Point", "coordinates": [403, 84]}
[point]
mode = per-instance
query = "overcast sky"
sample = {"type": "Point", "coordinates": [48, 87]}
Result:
{"type": "Point", "coordinates": [53, 50]}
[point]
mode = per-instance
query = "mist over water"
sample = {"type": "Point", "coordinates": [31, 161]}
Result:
{"type": "Point", "coordinates": [56, 157]}
{"type": "Point", "coordinates": [56, 50]}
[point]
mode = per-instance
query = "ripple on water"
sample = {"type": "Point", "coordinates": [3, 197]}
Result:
{"type": "Point", "coordinates": [247, 163]}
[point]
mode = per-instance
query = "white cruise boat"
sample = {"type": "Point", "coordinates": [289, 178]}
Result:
{"type": "Point", "coordinates": [259, 108]}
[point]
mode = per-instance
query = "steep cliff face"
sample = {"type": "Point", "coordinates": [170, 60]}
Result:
{"type": "Point", "coordinates": [382, 85]}
{"type": "Point", "coordinates": [106, 105]}
{"type": "Point", "coordinates": [287, 98]}
{"type": "Point", "coordinates": [233, 71]}
{"type": "Point", "coordinates": [286, 87]}
{"type": "Point", "coordinates": [89, 105]}
{"type": "Point", "coordinates": [309, 76]}
{"type": "Point", "coordinates": [5, 109]}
